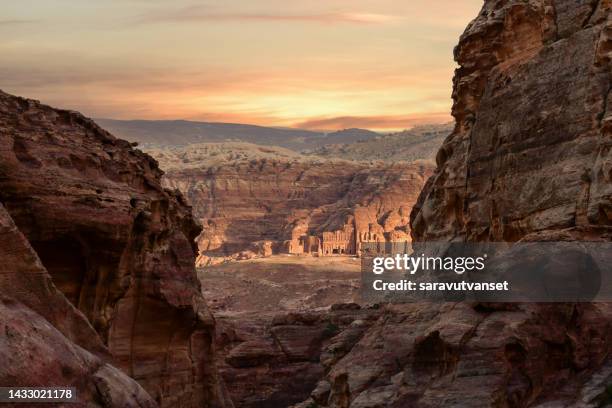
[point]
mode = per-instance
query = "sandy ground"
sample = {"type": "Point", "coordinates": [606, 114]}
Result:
{"type": "Point", "coordinates": [281, 283]}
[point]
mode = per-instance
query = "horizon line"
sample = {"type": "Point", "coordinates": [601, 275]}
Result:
{"type": "Point", "coordinates": [312, 130]}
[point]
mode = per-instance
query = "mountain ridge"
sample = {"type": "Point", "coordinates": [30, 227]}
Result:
{"type": "Point", "coordinates": [180, 132]}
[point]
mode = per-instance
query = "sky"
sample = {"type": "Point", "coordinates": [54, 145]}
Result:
{"type": "Point", "coordinates": [313, 64]}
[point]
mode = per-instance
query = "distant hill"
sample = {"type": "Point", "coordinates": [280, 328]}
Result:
{"type": "Point", "coordinates": [349, 136]}
{"type": "Point", "coordinates": [215, 154]}
{"type": "Point", "coordinates": [421, 142]}
{"type": "Point", "coordinates": [169, 133]}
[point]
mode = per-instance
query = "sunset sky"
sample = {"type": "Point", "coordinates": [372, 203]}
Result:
{"type": "Point", "coordinates": [316, 64]}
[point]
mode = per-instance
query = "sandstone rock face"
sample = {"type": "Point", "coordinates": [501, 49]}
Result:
{"type": "Point", "coordinates": [529, 159]}
{"type": "Point", "coordinates": [116, 244]}
{"type": "Point", "coordinates": [531, 148]}
{"type": "Point", "coordinates": [45, 340]}
{"type": "Point", "coordinates": [277, 360]}
{"type": "Point", "coordinates": [456, 355]}
{"type": "Point", "coordinates": [248, 199]}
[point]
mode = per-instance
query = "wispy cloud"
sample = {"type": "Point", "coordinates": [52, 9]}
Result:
{"type": "Point", "coordinates": [374, 122]}
{"type": "Point", "coordinates": [15, 22]}
{"type": "Point", "coordinates": [201, 13]}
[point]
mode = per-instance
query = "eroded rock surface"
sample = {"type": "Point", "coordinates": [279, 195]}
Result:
{"type": "Point", "coordinates": [116, 245]}
{"type": "Point", "coordinates": [531, 148]}
{"type": "Point", "coordinates": [45, 340]}
{"type": "Point", "coordinates": [255, 200]}
{"type": "Point", "coordinates": [278, 320]}
{"type": "Point", "coordinates": [529, 159]}
{"type": "Point", "coordinates": [277, 360]}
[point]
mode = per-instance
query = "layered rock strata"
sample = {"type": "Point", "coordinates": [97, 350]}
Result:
{"type": "Point", "coordinates": [251, 202]}
{"type": "Point", "coordinates": [46, 341]}
{"type": "Point", "coordinates": [529, 160]}
{"type": "Point", "coordinates": [118, 250]}
{"type": "Point", "coordinates": [277, 360]}
{"type": "Point", "coordinates": [531, 147]}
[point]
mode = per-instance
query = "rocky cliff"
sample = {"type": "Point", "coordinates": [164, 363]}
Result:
{"type": "Point", "coordinates": [529, 159]}
{"type": "Point", "coordinates": [272, 361]}
{"type": "Point", "coordinates": [250, 197]}
{"type": "Point", "coordinates": [531, 147]}
{"type": "Point", "coordinates": [46, 341]}
{"type": "Point", "coordinates": [100, 266]}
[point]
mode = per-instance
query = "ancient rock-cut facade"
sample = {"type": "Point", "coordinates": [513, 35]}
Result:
{"type": "Point", "coordinates": [347, 241]}
{"type": "Point", "coordinates": [305, 244]}
{"type": "Point", "coordinates": [291, 201]}
{"type": "Point", "coordinates": [340, 241]}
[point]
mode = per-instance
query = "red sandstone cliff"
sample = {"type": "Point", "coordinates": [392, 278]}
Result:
{"type": "Point", "coordinates": [46, 341]}
{"type": "Point", "coordinates": [100, 256]}
{"type": "Point", "coordinates": [530, 158]}
{"type": "Point", "coordinates": [531, 147]}
{"type": "Point", "coordinates": [256, 199]}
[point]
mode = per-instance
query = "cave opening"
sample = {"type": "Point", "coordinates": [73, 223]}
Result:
{"type": "Point", "coordinates": [66, 262]}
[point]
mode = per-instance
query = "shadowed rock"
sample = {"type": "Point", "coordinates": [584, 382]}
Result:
{"type": "Point", "coordinates": [115, 244]}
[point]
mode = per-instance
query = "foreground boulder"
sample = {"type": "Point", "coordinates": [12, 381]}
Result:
{"type": "Point", "coordinates": [106, 259]}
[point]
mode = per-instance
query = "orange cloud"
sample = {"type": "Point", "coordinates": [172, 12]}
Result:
{"type": "Point", "coordinates": [374, 122]}
{"type": "Point", "coordinates": [15, 22]}
{"type": "Point", "coordinates": [321, 64]}
{"type": "Point", "coordinates": [200, 13]}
